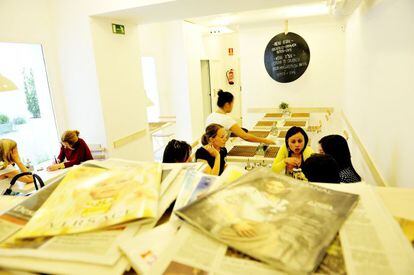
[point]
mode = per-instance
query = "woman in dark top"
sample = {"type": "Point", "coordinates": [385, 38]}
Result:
{"type": "Point", "coordinates": [213, 152]}
{"type": "Point", "coordinates": [177, 151]}
{"type": "Point", "coordinates": [321, 168]}
{"type": "Point", "coordinates": [337, 147]}
{"type": "Point", "coordinates": [74, 149]}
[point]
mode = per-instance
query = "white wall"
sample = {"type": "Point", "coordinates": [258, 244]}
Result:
{"type": "Point", "coordinates": [216, 50]}
{"type": "Point", "coordinates": [31, 22]}
{"type": "Point", "coordinates": [121, 89]}
{"type": "Point", "coordinates": [379, 84]}
{"type": "Point", "coordinates": [153, 42]}
{"type": "Point", "coordinates": [177, 48]}
{"type": "Point", "coordinates": [320, 85]}
{"type": "Point", "coordinates": [63, 28]}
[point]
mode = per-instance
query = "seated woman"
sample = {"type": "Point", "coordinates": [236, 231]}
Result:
{"type": "Point", "coordinates": [9, 155]}
{"type": "Point", "coordinates": [293, 153]}
{"type": "Point", "coordinates": [321, 168]}
{"type": "Point", "coordinates": [337, 147]}
{"type": "Point", "coordinates": [74, 149]}
{"type": "Point", "coordinates": [225, 105]}
{"type": "Point", "coordinates": [177, 151]}
{"type": "Point", "coordinates": [213, 152]}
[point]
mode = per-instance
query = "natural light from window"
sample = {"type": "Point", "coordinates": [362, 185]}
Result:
{"type": "Point", "coordinates": [26, 113]}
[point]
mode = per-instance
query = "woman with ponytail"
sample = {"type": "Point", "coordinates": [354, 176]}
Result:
{"type": "Point", "coordinates": [225, 105]}
{"type": "Point", "coordinates": [73, 149]}
{"type": "Point", "coordinates": [213, 151]}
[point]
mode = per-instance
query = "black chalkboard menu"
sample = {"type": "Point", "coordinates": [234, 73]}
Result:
{"type": "Point", "coordinates": [286, 57]}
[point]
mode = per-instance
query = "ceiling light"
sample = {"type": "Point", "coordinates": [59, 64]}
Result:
{"type": "Point", "coordinates": [220, 30]}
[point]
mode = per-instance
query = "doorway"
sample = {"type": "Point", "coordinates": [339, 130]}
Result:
{"type": "Point", "coordinates": [206, 88]}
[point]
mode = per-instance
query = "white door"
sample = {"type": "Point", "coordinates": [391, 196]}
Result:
{"type": "Point", "coordinates": [206, 89]}
{"type": "Point", "coordinates": [218, 80]}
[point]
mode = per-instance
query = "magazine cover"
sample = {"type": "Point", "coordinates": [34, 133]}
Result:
{"type": "Point", "coordinates": [90, 198]}
{"type": "Point", "coordinates": [281, 221]}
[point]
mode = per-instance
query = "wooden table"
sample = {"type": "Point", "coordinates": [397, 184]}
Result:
{"type": "Point", "coordinates": [244, 153]}
{"type": "Point", "coordinates": [284, 124]}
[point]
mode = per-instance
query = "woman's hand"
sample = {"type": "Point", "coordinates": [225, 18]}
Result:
{"type": "Point", "coordinates": [211, 150]}
{"type": "Point", "coordinates": [295, 162]}
{"type": "Point", "coordinates": [54, 167]}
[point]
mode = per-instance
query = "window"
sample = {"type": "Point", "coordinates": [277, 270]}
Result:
{"type": "Point", "coordinates": [26, 113]}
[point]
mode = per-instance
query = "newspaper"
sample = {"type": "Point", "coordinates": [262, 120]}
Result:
{"type": "Point", "coordinates": [17, 216]}
{"type": "Point", "coordinates": [98, 247]}
{"type": "Point", "coordinates": [333, 262]}
{"type": "Point", "coordinates": [192, 252]}
{"type": "Point", "coordinates": [372, 241]}
{"type": "Point", "coordinates": [62, 267]}
{"type": "Point", "coordinates": [144, 250]}
{"type": "Point", "coordinates": [283, 222]}
{"type": "Point", "coordinates": [92, 198]}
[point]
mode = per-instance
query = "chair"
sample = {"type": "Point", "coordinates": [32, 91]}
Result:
{"type": "Point", "coordinates": [97, 151]}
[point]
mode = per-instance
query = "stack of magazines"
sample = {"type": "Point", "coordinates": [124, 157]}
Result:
{"type": "Point", "coordinates": [75, 225]}
{"type": "Point", "coordinates": [105, 217]}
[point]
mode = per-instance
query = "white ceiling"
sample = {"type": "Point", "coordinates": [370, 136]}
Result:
{"type": "Point", "coordinates": [211, 12]}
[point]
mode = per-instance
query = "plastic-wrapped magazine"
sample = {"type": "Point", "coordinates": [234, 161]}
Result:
{"type": "Point", "coordinates": [281, 221]}
{"type": "Point", "coordinates": [195, 185]}
{"type": "Point", "coordinates": [91, 198]}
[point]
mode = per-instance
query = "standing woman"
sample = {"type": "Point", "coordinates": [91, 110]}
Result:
{"type": "Point", "coordinates": [74, 149]}
{"type": "Point", "coordinates": [9, 155]}
{"type": "Point", "coordinates": [294, 152]}
{"type": "Point", "coordinates": [213, 152]}
{"type": "Point", "coordinates": [337, 147]}
{"type": "Point", "coordinates": [225, 105]}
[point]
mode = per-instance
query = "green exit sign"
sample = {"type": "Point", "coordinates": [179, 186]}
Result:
{"type": "Point", "coordinates": [118, 29]}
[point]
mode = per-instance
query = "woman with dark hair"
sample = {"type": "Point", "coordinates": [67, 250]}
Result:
{"type": "Point", "coordinates": [213, 151]}
{"type": "Point", "coordinates": [225, 105]}
{"type": "Point", "coordinates": [73, 149]}
{"type": "Point", "coordinates": [294, 152]}
{"type": "Point", "coordinates": [321, 168]}
{"type": "Point", "coordinates": [177, 151]}
{"type": "Point", "coordinates": [337, 147]}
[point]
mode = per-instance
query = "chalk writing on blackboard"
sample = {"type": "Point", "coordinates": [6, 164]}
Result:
{"type": "Point", "coordinates": [286, 57]}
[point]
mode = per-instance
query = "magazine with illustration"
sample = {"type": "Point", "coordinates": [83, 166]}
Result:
{"type": "Point", "coordinates": [283, 222]}
{"type": "Point", "coordinates": [90, 198]}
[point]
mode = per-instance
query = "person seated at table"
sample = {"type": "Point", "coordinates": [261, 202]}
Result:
{"type": "Point", "coordinates": [293, 153]}
{"type": "Point", "coordinates": [73, 149]}
{"type": "Point", "coordinates": [337, 147]}
{"type": "Point", "coordinates": [213, 151]}
{"type": "Point", "coordinates": [321, 168]}
{"type": "Point", "coordinates": [9, 156]}
{"type": "Point", "coordinates": [177, 151]}
{"type": "Point", "coordinates": [225, 103]}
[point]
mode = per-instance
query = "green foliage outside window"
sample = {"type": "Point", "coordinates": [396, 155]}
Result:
{"type": "Point", "coordinates": [19, 121]}
{"type": "Point", "coordinates": [4, 119]}
{"type": "Point", "coordinates": [30, 92]}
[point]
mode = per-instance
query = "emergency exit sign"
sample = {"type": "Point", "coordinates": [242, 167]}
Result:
{"type": "Point", "coordinates": [118, 29]}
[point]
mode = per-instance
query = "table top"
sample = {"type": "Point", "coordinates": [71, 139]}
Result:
{"type": "Point", "coordinates": [262, 134]}
{"type": "Point", "coordinates": [46, 176]}
{"type": "Point", "coordinates": [291, 123]}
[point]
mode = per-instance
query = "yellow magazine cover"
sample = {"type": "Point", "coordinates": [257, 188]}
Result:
{"type": "Point", "coordinates": [90, 198]}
